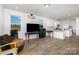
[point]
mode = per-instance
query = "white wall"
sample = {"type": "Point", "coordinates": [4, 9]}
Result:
{"type": "Point", "coordinates": [24, 20]}
{"type": "Point", "coordinates": [1, 20]}
{"type": "Point", "coordinates": [77, 26]}
{"type": "Point", "coordinates": [66, 22]}
{"type": "Point", "coordinates": [7, 22]}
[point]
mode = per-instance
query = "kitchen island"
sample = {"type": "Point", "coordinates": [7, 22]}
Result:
{"type": "Point", "coordinates": [60, 34]}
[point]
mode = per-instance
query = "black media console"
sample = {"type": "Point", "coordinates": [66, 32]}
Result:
{"type": "Point", "coordinates": [35, 29]}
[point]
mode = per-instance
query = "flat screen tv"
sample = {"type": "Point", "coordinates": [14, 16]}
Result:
{"type": "Point", "coordinates": [32, 27]}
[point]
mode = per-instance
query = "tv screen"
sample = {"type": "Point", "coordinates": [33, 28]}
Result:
{"type": "Point", "coordinates": [32, 27]}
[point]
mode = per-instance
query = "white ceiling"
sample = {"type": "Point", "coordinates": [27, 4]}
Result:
{"type": "Point", "coordinates": [56, 11]}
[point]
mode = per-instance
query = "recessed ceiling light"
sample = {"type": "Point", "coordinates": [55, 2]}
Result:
{"type": "Point", "coordinates": [46, 5]}
{"type": "Point", "coordinates": [17, 7]}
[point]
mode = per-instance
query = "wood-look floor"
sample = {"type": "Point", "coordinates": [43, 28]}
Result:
{"type": "Point", "coordinates": [52, 46]}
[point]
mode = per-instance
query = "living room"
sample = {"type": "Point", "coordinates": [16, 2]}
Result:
{"type": "Point", "coordinates": [39, 29]}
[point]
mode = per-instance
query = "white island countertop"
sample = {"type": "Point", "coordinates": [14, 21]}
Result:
{"type": "Point", "coordinates": [60, 34]}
